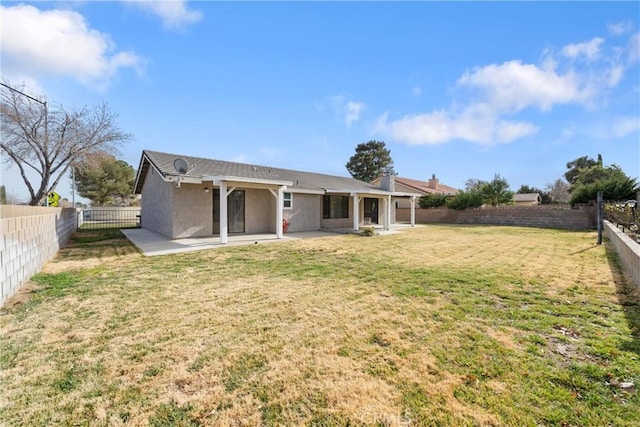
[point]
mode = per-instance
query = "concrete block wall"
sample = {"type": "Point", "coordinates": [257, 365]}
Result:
{"type": "Point", "coordinates": [627, 249]}
{"type": "Point", "coordinates": [29, 237]}
{"type": "Point", "coordinates": [525, 216]}
{"type": "Point", "coordinates": [157, 216]}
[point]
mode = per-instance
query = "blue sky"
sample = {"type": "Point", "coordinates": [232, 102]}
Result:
{"type": "Point", "coordinates": [460, 90]}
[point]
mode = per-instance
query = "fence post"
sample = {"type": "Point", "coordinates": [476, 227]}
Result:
{"type": "Point", "coordinates": [600, 212]}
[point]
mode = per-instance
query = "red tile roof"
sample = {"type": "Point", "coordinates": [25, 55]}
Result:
{"type": "Point", "coordinates": [423, 186]}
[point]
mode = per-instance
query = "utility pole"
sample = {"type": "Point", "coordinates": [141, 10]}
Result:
{"type": "Point", "coordinates": [46, 122]}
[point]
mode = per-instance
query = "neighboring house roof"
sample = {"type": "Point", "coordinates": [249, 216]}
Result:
{"type": "Point", "coordinates": [207, 169]}
{"type": "Point", "coordinates": [424, 187]}
{"type": "Point", "coordinates": [527, 197]}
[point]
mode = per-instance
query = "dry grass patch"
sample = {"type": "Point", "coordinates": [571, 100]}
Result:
{"type": "Point", "coordinates": [434, 326]}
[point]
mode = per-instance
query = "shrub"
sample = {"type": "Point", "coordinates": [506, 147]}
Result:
{"type": "Point", "coordinates": [368, 231]}
{"type": "Point", "coordinates": [613, 188]}
{"type": "Point", "coordinates": [496, 192]}
{"type": "Point", "coordinates": [466, 199]}
{"type": "Point", "coordinates": [432, 201]}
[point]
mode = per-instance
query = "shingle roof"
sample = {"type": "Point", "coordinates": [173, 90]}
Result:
{"type": "Point", "coordinates": [163, 162]}
{"type": "Point", "coordinates": [423, 186]}
{"type": "Point", "coordinates": [526, 197]}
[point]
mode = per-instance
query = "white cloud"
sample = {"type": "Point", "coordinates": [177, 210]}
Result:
{"type": "Point", "coordinates": [513, 86]}
{"type": "Point", "coordinates": [624, 126]}
{"type": "Point", "coordinates": [478, 123]}
{"type": "Point", "coordinates": [430, 128]}
{"type": "Point", "coordinates": [590, 49]}
{"type": "Point", "coordinates": [175, 14]}
{"type": "Point", "coordinates": [475, 123]}
{"type": "Point", "coordinates": [489, 97]}
{"type": "Point", "coordinates": [616, 73]}
{"type": "Point", "coordinates": [59, 42]}
{"type": "Point", "coordinates": [352, 112]}
{"type": "Point", "coordinates": [620, 28]}
{"type": "Point", "coordinates": [508, 131]}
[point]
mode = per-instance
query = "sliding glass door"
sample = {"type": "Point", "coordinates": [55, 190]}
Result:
{"type": "Point", "coordinates": [235, 211]}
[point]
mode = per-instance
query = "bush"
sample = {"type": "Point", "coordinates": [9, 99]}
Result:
{"type": "Point", "coordinates": [368, 231]}
{"type": "Point", "coordinates": [432, 201]}
{"type": "Point", "coordinates": [466, 199]}
{"type": "Point", "coordinates": [613, 188]}
{"type": "Point", "coordinates": [496, 192]}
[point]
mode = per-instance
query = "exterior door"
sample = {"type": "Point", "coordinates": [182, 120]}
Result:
{"type": "Point", "coordinates": [371, 210]}
{"type": "Point", "coordinates": [235, 211]}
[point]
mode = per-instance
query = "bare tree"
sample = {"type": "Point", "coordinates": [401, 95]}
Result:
{"type": "Point", "coordinates": [50, 142]}
{"type": "Point", "coordinates": [473, 184]}
{"type": "Point", "coordinates": [559, 191]}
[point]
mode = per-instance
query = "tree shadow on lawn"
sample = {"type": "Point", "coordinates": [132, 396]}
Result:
{"type": "Point", "coordinates": [584, 250]}
{"type": "Point", "coordinates": [628, 298]}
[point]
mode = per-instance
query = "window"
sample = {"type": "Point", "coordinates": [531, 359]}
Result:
{"type": "Point", "coordinates": [288, 200]}
{"type": "Point", "coordinates": [335, 207]}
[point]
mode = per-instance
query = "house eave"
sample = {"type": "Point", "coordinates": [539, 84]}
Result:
{"type": "Point", "coordinates": [404, 194]}
{"type": "Point", "coordinates": [371, 192]}
{"type": "Point", "coordinates": [216, 179]}
{"type": "Point", "coordinates": [184, 179]}
{"type": "Point", "coordinates": [305, 191]}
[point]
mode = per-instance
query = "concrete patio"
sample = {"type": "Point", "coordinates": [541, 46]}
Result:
{"type": "Point", "coordinates": [151, 243]}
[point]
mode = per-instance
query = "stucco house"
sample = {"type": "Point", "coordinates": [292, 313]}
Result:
{"type": "Point", "coordinates": [215, 197]}
{"type": "Point", "coordinates": [432, 186]}
{"type": "Point", "coordinates": [527, 199]}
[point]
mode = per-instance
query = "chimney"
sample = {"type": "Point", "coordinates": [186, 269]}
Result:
{"type": "Point", "coordinates": [388, 182]}
{"type": "Point", "coordinates": [433, 182]}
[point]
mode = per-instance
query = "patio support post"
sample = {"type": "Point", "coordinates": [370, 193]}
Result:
{"type": "Point", "coordinates": [387, 216]}
{"type": "Point", "coordinates": [413, 211]}
{"type": "Point", "coordinates": [279, 207]}
{"type": "Point", "coordinates": [224, 225]}
{"type": "Point", "coordinates": [356, 211]}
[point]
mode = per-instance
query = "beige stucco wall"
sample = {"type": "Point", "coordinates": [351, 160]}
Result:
{"type": "Point", "coordinates": [259, 211]}
{"type": "Point", "coordinates": [305, 213]}
{"type": "Point", "coordinates": [403, 202]}
{"type": "Point", "coordinates": [157, 204]}
{"type": "Point", "coordinates": [192, 211]}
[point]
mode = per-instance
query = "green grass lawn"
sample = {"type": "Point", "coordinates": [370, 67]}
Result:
{"type": "Point", "coordinates": [438, 325]}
